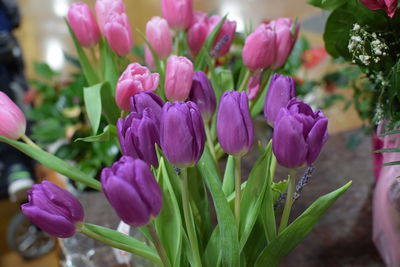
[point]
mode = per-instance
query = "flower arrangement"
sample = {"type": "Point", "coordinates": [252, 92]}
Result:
{"type": "Point", "coordinates": [176, 120]}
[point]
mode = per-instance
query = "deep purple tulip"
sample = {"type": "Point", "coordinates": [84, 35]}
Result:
{"type": "Point", "coordinates": [182, 133]}
{"type": "Point", "coordinates": [132, 190]}
{"type": "Point", "coordinates": [281, 90]}
{"type": "Point", "coordinates": [138, 134]}
{"type": "Point", "coordinates": [143, 100]}
{"type": "Point", "coordinates": [234, 125]}
{"type": "Point", "coordinates": [202, 93]}
{"type": "Point", "coordinates": [299, 134]}
{"type": "Point", "coordinates": [53, 209]}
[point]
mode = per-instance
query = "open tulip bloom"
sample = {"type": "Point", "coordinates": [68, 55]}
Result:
{"type": "Point", "coordinates": [175, 125]}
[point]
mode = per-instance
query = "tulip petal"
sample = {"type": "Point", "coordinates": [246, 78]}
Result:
{"type": "Point", "coordinates": [316, 139]}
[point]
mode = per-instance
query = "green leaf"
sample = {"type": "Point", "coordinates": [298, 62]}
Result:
{"type": "Point", "coordinates": [393, 149]}
{"type": "Point", "coordinates": [257, 106]}
{"type": "Point", "coordinates": [390, 133]}
{"type": "Point", "coordinates": [327, 4]}
{"type": "Point", "coordinates": [212, 253]}
{"type": "Point", "coordinates": [253, 194]}
{"type": "Point", "coordinates": [53, 163]}
{"type": "Point", "coordinates": [109, 65]}
{"type": "Point", "coordinates": [109, 106]}
{"type": "Point", "coordinates": [92, 97]}
{"type": "Point", "coordinates": [108, 132]}
{"type": "Point", "coordinates": [391, 163]}
{"type": "Point", "coordinates": [168, 223]}
{"type": "Point", "coordinates": [286, 241]}
{"type": "Point", "coordinates": [90, 73]}
{"type": "Point", "coordinates": [120, 241]}
{"type": "Point", "coordinates": [228, 241]}
{"type": "Point", "coordinates": [228, 183]}
{"type": "Point", "coordinates": [224, 82]}
{"type": "Point", "coordinates": [44, 70]}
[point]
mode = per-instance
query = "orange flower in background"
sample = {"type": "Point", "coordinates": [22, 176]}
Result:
{"type": "Point", "coordinates": [312, 57]}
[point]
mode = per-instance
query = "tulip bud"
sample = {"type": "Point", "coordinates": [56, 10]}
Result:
{"type": "Point", "coordinates": [225, 35]}
{"type": "Point", "coordinates": [197, 33]}
{"type": "Point", "coordinates": [138, 134]}
{"type": "Point", "coordinates": [178, 78]}
{"type": "Point", "coordinates": [143, 100]}
{"type": "Point", "coordinates": [235, 129]}
{"type": "Point", "coordinates": [106, 7]}
{"type": "Point", "coordinates": [133, 80]}
{"type": "Point", "coordinates": [299, 134]}
{"type": "Point", "coordinates": [118, 33]}
{"type": "Point", "coordinates": [281, 90]}
{"type": "Point", "coordinates": [389, 6]}
{"type": "Point", "coordinates": [53, 209]}
{"type": "Point", "coordinates": [202, 93]}
{"type": "Point", "coordinates": [178, 13]}
{"type": "Point", "coordinates": [285, 40]}
{"type": "Point", "coordinates": [259, 48]}
{"type": "Point", "coordinates": [13, 122]}
{"type": "Point", "coordinates": [182, 133]}
{"type": "Point", "coordinates": [159, 36]}
{"type": "Point", "coordinates": [148, 58]}
{"type": "Point", "coordinates": [83, 24]}
{"type": "Point", "coordinates": [130, 187]}
{"type": "Point", "coordinates": [254, 84]}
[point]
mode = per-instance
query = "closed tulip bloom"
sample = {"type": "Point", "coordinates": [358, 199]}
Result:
{"type": "Point", "coordinates": [182, 133]}
{"type": "Point", "coordinates": [224, 39]}
{"type": "Point", "coordinates": [254, 84]}
{"type": "Point", "coordinates": [148, 59]}
{"type": "Point", "coordinates": [197, 33]}
{"type": "Point", "coordinates": [285, 40]}
{"type": "Point", "coordinates": [106, 7]}
{"type": "Point", "coordinates": [133, 80]}
{"type": "Point", "coordinates": [138, 134]}
{"type": "Point", "coordinates": [235, 129]}
{"type": "Point", "coordinates": [53, 209]}
{"type": "Point", "coordinates": [118, 33]}
{"type": "Point", "coordinates": [159, 36]}
{"type": "Point", "coordinates": [202, 93]}
{"type": "Point", "coordinates": [299, 134]}
{"type": "Point", "coordinates": [259, 48]}
{"type": "Point", "coordinates": [143, 100]}
{"type": "Point", "coordinates": [83, 24]}
{"type": "Point", "coordinates": [178, 13]}
{"type": "Point", "coordinates": [389, 6]}
{"type": "Point", "coordinates": [131, 189]}
{"type": "Point", "coordinates": [281, 90]}
{"type": "Point", "coordinates": [12, 119]}
{"type": "Point", "coordinates": [178, 78]}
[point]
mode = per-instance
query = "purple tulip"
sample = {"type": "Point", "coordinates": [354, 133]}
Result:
{"type": "Point", "coordinates": [143, 100]}
{"type": "Point", "coordinates": [133, 80]}
{"type": "Point", "coordinates": [130, 187]}
{"type": "Point", "coordinates": [225, 35]}
{"type": "Point", "coordinates": [83, 23]}
{"type": "Point", "coordinates": [234, 125]}
{"type": "Point", "coordinates": [389, 6]}
{"type": "Point", "coordinates": [178, 13]}
{"type": "Point", "coordinates": [118, 33]}
{"type": "Point", "coordinates": [259, 48]}
{"type": "Point", "coordinates": [182, 133]}
{"type": "Point", "coordinates": [299, 134]}
{"type": "Point", "coordinates": [106, 7]}
{"type": "Point", "coordinates": [159, 36]}
{"type": "Point", "coordinates": [197, 33]}
{"type": "Point", "coordinates": [13, 121]}
{"type": "Point", "coordinates": [178, 78]}
{"type": "Point", "coordinates": [53, 209]}
{"type": "Point", "coordinates": [138, 134]}
{"type": "Point", "coordinates": [202, 93]}
{"type": "Point", "coordinates": [281, 90]}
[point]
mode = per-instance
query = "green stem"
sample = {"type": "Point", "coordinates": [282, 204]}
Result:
{"type": "Point", "coordinates": [189, 219]}
{"type": "Point", "coordinates": [289, 200]}
{"type": "Point", "coordinates": [238, 183]}
{"type": "Point", "coordinates": [151, 256]}
{"type": "Point", "coordinates": [209, 140]}
{"type": "Point", "coordinates": [245, 80]}
{"type": "Point", "coordinates": [177, 42]}
{"type": "Point", "coordinates": [28, 141]}
{"type": "Point", "coordinates": [158, 245]}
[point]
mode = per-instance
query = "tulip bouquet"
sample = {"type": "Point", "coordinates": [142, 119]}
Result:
{"type": "Point", "coordinates": [179, 122]}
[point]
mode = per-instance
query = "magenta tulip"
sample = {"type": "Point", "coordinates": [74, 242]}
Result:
{"type": "Point", "coordinates": [12, 119]}
{"type": "Point", "coordinates": [197, 33]}
{"type": "Point", "coordinates": [159, 36]}
{"type": "Point", "coordinates": [225, 36]}
{"type": "Point", "coordinates": [178, 80]}
{"type": "Point", "coordinates": [118, 33]}
{"type": "Point", "coordinates": [178, 13]}
{"type": "Point", "coordinates": [389, 6]}
{"type": "Point", "coordinates": [106, 7]}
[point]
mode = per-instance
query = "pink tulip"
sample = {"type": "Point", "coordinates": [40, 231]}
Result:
{"type": "Point", "coordinates": [260, 48]}
{"type": "Point", "coordinates": [83, 24]}
{"type": "Point", "coordinates": [178, 13]}
{"type": "Point", "coordinates": [148, 58]}
{"type": "Point", "coordinates": [106, 7]}
{"type": "Point", "coordinates": [12, 119]}
{"type": "Point", "coordinates": [197, 33]}
{"type": "Point", "coordinates": [254, 84]}
{"type": "Point", "coordinates": [133, 80]}
{"type": "Point", "coordinates": [178, 79]}
{"type": "Point", "coordinates": [118, 33]}
{"type": "Point", "coordinates": [389, 6]}
{"type": "Point", "coordinates": [159, 36]}
{"type": "Point", "coordinates": [284, 39]}
{"type": "Point", "coordinates": [225, 36]}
